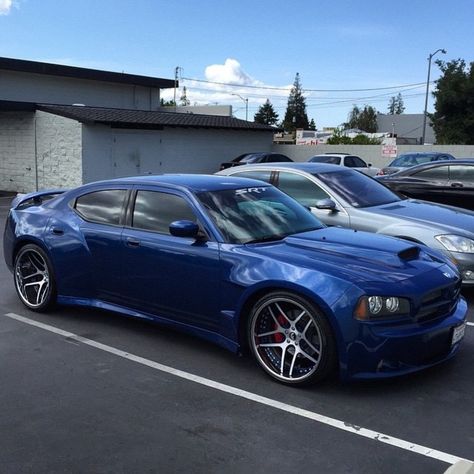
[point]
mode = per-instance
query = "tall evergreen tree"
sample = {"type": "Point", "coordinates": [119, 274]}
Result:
{"type": "Point", "coordinates": [312, 125]}
{"type": "Point", "coordinates": [266, 114]}
{"type": "Point", "coordinates": [396, 105]}
{"type": "Point", "coordinates": [453, 120]}
{"type": "Point", "coordinates": [295, 116]}
{"type": "Point", "coordinates": [365, 119]}
{"type": "Point", "coordinates": [400, 106]}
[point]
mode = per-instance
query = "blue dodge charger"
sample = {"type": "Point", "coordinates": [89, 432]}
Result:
{"type": "Point", "coordinates": [239, 263]}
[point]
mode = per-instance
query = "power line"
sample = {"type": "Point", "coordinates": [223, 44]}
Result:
{"type": "Point", "coordinates": [304, 89]}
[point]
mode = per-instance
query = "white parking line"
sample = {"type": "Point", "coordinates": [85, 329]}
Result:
{"type": "Point", "coordinates": [357, 430]}
{"type": "Point", "coordinates": [470, 324]}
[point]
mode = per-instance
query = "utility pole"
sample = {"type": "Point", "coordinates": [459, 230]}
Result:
{"type": "Point", "coordinates": [176, 71]}
{"type": "Point", "coordinates": [430, 57]}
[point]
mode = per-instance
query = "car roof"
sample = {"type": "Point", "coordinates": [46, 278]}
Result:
{"type": "Point", "coordinates": [306, 166]}
{"type": "Point", "coordinates": [431, 164]}
{"type": "Point", "coordinates": [191, 182]}
{"type": "Point", "coordinates": [423, 153]}
{"type": "Point", "coordinates": [340, 155]}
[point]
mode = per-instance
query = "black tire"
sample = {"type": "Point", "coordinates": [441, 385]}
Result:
{"type": "Point", "coordinates": [34, 278]}
{"type": "Point", "coordinates": [291, 339]}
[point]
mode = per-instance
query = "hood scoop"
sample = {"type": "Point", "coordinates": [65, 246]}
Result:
{"type": "Point", "coordinates": [411, 253]}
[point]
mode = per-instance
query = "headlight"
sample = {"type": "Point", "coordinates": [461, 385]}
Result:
{"type": "Point", "coordinates": [456, 243]}
{"type": "Point", "coordinates": [375, 307]}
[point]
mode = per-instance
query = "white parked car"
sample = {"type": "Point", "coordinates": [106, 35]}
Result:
{"type": "Point", "coordinates": [345, 159]}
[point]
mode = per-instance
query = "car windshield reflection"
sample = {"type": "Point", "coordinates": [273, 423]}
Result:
{"type": "Point", "coordinates": [358, 189]}
{"type": "Point", "coordinates": [260, 214]}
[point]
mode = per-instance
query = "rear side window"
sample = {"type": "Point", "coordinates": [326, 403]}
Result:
{"type": "Point", "coordinates": [262, 175]}
{"type": "Point", "coordinates": [438, 172]}
{"type": "Point", "coordinates": [104, 207]}
{"type": "Point", "coordinates": [155, 211]}
{"type": "Point", "coordinates": [355, 162]}
{"type": "Point", "coordinates": [299, 187]}
{"type": "Point", "coordinates": [463, 173]}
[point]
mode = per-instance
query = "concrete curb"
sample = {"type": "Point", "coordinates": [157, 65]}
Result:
{"type": "Point", "coordinates": [461, 467]}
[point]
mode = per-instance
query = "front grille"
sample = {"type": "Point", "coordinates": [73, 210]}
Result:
{"type": "Point", "coordinates": [438, 303]}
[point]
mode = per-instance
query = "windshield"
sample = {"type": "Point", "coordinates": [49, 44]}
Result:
{"type": "Point", "coordinates": [250, 158]}
{"type": "Point", "coordinates": [257, 214]}
{"type": "Point", "coordinates": [358, 189]}
{"type": "Point", "coordinates": [335, 160]}
{"type": "Point", "coordinates": [412, 160]}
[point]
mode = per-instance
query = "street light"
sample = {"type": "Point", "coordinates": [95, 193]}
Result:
{"type": "Point", "coordinates": [443, 51]}
{"type": "Point", "coordinates": [246, 104]}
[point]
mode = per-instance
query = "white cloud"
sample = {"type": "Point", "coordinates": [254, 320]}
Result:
{"type": "Point", "coordinates": [230, 72]}
{"type": "Point", "coordinates": [5, 7]}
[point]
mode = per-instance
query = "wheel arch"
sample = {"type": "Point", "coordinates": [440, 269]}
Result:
{"type": "Point", "coordinates": [26, 240]}
{"type": "Point", "coordinates": [252, 297]}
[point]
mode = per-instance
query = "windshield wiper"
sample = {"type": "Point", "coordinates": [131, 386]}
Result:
{"type": "Point", "coordinates": [266, 238]}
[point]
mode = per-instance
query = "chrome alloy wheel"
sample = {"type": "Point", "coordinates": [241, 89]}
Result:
{"type": "Point", "coordinates": [32, 277]}
{"type": "Point", "coordinates": [286, 339]}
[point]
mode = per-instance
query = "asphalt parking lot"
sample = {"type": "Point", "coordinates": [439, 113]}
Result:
{"type": "Point", "coordinates": [84, 390]}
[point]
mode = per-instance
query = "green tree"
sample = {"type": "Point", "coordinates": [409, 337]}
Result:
{"type": "Point", "coordinates": [295, 116]}
{"type": "Point", "coordinates": [396, 105]}
{"type": "Point", "coordinates": [338, 138]}
{"type": "Point", "coordinates": [184, 99]}
{"type": "Point", "coordinates": [167, 103]}
{"type": "Point", "coordinates": [312, 125]}
{"type": "Point", "coordinates": [453, 119]}
{"type": "Point", "coordinates": [365, 119]}
{"type": "Point", "coordinates": [266, 114]}
{"type": "Point", "coordinates": [353, 118]}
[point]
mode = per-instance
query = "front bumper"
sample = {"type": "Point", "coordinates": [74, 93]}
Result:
{"type": "Point", "coordinates": [387, 351]}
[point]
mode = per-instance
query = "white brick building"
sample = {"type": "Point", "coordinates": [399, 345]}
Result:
{"type": "Point", "coordinates": [115, 128]}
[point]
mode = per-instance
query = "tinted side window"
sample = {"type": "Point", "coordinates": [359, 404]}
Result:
{"type": "Point", "coordinates": [439, 173]}
{"type": "Point", "coordinates": [349, 162]}
{"type": "Point", "coordinates": [278, 158]}
{"type": "Point", "coordinates": [156, 211]}
{"type": "Point", "coordinates": [105, 207]}
{"type": "Point", "coordinates": [463, 173]}
{"type": "Point", "coordinates": [262, 175]}
{"type": "Point", "coordinates": [357, 162]}
{"type": "Point", "coordinates": [300, 188]}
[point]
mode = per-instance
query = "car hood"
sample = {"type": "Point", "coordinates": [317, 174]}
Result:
{"type": "Point", "coordinates": [445, 219]}
{"type": "Point", "coordinates": [354, 255]}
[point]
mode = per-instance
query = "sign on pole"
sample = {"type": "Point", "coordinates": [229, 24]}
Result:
{"type": "Point", "coordinates": [389, 147]}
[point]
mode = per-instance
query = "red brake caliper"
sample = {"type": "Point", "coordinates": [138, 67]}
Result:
{"type": "Point", "coordinates": [279, 337]}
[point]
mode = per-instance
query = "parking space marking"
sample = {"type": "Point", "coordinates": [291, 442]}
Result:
{"type": "Point", "coordinates": [341, 425]}
{"type": "Point", "coordinates": [470, 324]}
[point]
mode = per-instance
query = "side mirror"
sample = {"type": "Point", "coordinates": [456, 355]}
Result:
{"type": "Point", "coordinates": [369, 164]}
{"type": "Point", "coordinates": [184, 229]}
{"type": "Point", "coordinates": [326, 204]}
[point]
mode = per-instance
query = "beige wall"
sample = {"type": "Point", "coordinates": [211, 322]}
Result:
{"type": "Point", "coordinates": [370, 153]}
{"type": "Point", "coordinates": [58, 151]}
{"type": "Point", "coordinates": [17, 149]}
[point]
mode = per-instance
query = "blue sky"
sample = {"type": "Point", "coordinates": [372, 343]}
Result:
{"type": "Point", "coordinates": [335, 46]}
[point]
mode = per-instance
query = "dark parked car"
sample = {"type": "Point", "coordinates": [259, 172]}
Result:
{"type": "Point", "coordinates": [446, 182]}
{"type": "Point", "coordinates": [340, 196]}
{"type": "Point", "coordinates": [260, 157]}
{"type": "Point", "coordinates": [405, 160]}
{"type": "Point", "coordinates": [241, 264]}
